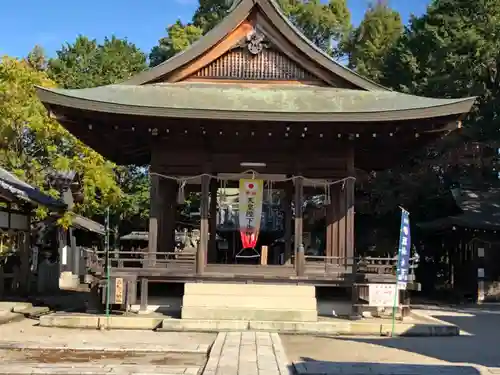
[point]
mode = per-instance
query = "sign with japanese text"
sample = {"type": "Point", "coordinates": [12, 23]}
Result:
{"type": "Point", "coordinates": [382, 295]}
{"type": "Point", "coordinates": [119, 291]}
{"type": "Point", "coordinates": [250, 211]}
{"type": "Point", "coordinates": [404, 252]}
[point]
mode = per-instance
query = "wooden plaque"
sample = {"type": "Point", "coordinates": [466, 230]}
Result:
{"type": "Point", "coordinates": [118, 290]}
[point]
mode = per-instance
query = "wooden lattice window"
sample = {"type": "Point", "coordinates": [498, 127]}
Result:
{"type": "Point", "coordinates": [269, 64]}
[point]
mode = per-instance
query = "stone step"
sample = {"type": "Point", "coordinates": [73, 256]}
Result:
{"type": "Point", "coordinates": [249, 301]}
{"type": "Point", "coordinates": [248, 313]}
{"type": "Point", "coordinates": [335, 327]}
{"type": "Point", "coordinates": [278, 290]}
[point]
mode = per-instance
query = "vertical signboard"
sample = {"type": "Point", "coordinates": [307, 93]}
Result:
{"type": "Point", "coordinates": [404, 251]}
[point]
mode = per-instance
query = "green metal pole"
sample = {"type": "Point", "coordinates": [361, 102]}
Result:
{"type": "Point", "coordinates": [108, 268]}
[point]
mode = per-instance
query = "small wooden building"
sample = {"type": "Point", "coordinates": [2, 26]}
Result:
{"type": "Point", "coordinates": [253, 93]}
{"type": "Point", "coordinates": [467, 243]}
{"type": "Point", "coordinates": [18, 201]}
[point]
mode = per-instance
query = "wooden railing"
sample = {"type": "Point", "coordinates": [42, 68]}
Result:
{"type": "Point", "coordinates": [304, 265]}
{"type": "Point", "coordinates": [124, 259]}
{"type": "Point", "coordinates": [361, 265]}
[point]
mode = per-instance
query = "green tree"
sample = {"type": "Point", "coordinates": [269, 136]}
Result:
{"type": "Point", "coordinates": [369, 44]}
{"type": "Point", "coordinates": [36, 58]}
{"type": "Point", "coordinates": [179, 37]}
{"type": "Point", "coordinates": [210, 13]}
{"type": "Point", "coordinates": [325, 24]}
{"type": "Point", "coordinates": [86, 63]}
{"type": "Point", "coordinates": [32, 144]}
{"type": "Point", "coordinates": [453, 51]}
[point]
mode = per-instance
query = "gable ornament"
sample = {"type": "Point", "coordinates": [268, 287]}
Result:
{"type": "Point", "coordinates": [256, 42]}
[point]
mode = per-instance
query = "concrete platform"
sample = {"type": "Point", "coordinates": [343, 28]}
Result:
{"type": "Point", "coordinates": [253, 302]}
{"type": "Point", "coordinates": [250, 314]}
{"type": "Point", "coordinates": [69, 320]}
{"type": "Point", "coordinates": [365, 327]}
{"type": "Point", "coordinates": [333, 327]}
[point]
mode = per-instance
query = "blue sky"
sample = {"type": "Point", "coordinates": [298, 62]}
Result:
{"type": "Point", "coordinates": [54, 22]}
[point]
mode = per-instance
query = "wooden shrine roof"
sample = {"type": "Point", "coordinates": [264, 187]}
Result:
{"type": "Point", "coordinates": [254, 74]}
{"type": "Point", "coordinates": [266, 103]}
{"type": "Point", "coordinates": [479, 209]}
{"type": "Point", "coordinates": [14, 190]}
{"type": "Point", "coordinates": [240, 12]}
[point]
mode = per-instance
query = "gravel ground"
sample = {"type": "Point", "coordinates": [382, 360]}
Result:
{"type": "Point", "coordinates": [477, 349]}
{"type": "Point", "coordinates": [28, 331]}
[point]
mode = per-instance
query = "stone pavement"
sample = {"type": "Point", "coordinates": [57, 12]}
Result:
{"type": "Point", "coordinates": [247, 353]}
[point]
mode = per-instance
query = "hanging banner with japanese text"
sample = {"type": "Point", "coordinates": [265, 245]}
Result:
{"type": "Point", "coordinates": [250, 211]}
{"type": "Point", "coordinates": [403, 268]}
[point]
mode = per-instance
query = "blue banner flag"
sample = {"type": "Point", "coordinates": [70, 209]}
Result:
{"type": "Point", "coordinates": [403, 268]}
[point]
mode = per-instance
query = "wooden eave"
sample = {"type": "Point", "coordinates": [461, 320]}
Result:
{"type": "Point", "coordinates": [271, 10]}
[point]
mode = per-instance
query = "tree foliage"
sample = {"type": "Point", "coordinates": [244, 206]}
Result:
{"type": "Point", "coordinates": [453, 51]}
{"type": "Point", "coordinates": [33, 144]}
{"type": "Point", "coordinates": [179, 37]}
{"type": "Point", "coordinates": [370, 42]}
{"type": "Point", "coordinates": [87, 63]}
{"type": "Point", "coordinates": [323, 23]}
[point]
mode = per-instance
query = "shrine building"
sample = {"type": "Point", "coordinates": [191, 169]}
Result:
{"type": "Point", "coordinates": [253, 98]}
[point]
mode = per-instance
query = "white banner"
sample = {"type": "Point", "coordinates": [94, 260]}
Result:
{"type": "Point", "coordinates": [250, 210]}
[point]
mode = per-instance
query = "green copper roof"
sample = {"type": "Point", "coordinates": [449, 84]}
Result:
{"type": "Point", "coordinates": [228, 101]}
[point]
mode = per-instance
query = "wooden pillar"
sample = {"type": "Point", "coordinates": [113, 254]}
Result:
{"type": "Point", "coordinates": [154, 215]}
{"type": "Point", "coordinates": [480, 260]}
{"type": "Point", "coordinates": [340, 219]}
{"type": "Point", "coordinates": [212, 242]}
{"type": "Point", "coordinates": [63, 250]}
{"type": "Point", "coordinates": [144, 295]}
{"type": "Point", "coordinates": [75, 253]}
{"type": "Point", "coordinates": [25, 247]}
{"type": "Point", "coordinates": [350, 201]}
{"type": "Point", "coordinates": [288, 222]}
{"type": "Point", "coordinates": [202, 248]}
{"type": "Point", "coordinates": [332, 224]}
{"type": "Point", "coordinates": [299, 192]}
{"type": "Point", "coordinates": [349, 251]}
{"type": "Point", "coordinates": [167, 209]}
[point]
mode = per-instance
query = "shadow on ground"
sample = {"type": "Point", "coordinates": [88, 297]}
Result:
{"type": "Point", "coordinates": [479, 344]}
{"type": "Point", "coordinates": [309, 366]}
{"type": "Point", "coordinates": [63, 301]}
